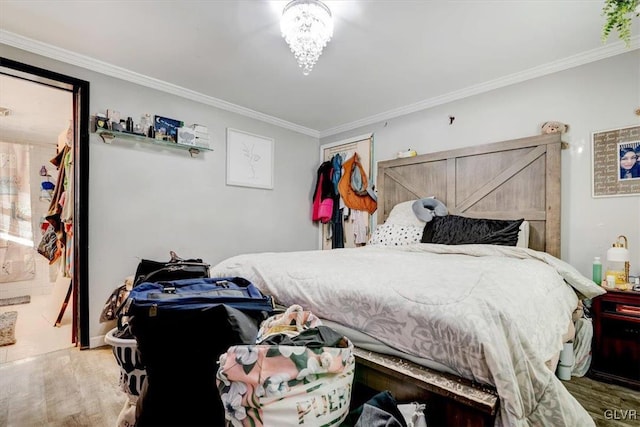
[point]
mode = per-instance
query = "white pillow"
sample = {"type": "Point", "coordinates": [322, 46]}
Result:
{"type": "Point", "coordinates": [402, 214]}
{"type": "Point", "coordinates": [396, 235]}
{"type": "Point", "coordinates": [523, 235]}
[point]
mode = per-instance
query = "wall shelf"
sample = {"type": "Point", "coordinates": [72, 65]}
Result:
{"type": "Point", "coordinates": [109, 135]}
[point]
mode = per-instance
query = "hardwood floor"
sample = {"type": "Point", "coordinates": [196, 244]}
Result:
{"type": "Point", "coordinates": [35, 333]}
{"type": "Point", "coordinates": [608, 404]}
{"type": "Point", "coordinates": [80, 388]}
{"type": "Point", "coordinates": [63, 388]}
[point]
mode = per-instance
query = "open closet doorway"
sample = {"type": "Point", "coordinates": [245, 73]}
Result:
{"type": "Point", "coordinates": [41, 158]}
{"type": "Point", "coordinates": [354, 227]}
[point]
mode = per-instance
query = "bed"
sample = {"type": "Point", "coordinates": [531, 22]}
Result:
{"type": "Point", "coordinates": [467, 329]}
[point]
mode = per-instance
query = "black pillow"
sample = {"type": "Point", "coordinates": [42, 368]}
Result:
{"type": "Point", "coordinates": [459, 230]}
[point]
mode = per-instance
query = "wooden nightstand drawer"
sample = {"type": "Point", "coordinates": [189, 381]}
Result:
{"type": "Point", "coordinates": [621, 310]}
{"type": "Point", "coordinates": [616, 340]}
{"type": "Point", "coordinates": [618, 349]}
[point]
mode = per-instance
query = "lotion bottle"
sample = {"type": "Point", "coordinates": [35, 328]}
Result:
{"type": "Point", "coordinates": [597, 271]}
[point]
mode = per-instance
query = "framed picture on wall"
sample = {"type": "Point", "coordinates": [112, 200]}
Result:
{"type": "Point", "coordinates": [616, 162]}
{"type": "Point", "coordinates": [249, 159]}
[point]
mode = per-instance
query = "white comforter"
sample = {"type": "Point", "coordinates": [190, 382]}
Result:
{"type": "Point", "coordinates": [493, 314]}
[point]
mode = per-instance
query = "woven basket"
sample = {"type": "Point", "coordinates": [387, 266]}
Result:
{"type": "Point", "coordinates": [8, 327]}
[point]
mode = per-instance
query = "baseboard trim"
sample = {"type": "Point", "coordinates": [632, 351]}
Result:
{"type": "Point", "coordinates": [95, 342]}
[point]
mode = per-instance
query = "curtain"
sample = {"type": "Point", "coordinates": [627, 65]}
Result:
{"type": "Point", "coordinates": [16, 231]}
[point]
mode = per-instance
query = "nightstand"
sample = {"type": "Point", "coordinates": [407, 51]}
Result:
{"type": "Point", "coordinates": [616, 338]}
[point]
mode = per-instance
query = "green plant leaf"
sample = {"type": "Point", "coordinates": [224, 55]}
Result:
{"type": "Point", "coordinates": [618, 14]}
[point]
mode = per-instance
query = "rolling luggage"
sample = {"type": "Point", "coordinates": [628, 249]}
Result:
{"type": "Point", "coordinates": [181, 328]}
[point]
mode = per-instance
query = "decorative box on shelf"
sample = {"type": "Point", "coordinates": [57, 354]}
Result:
{"type": "Point", "coordinates": [186, 136]}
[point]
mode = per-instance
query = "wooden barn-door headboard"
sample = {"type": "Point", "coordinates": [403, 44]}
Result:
{"type": "Point", "coordinates": [512, 179]}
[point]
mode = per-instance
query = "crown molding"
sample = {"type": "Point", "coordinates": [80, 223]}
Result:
{"type": "Point", "coordinates": [69, 57]}
{"type": "Point", "coordinates": [93, 64]}
{"type": "Point", "coordinates": [604, 52]}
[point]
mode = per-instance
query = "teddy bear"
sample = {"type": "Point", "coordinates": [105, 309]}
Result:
{"type": "Point", "coordinates": [554, 127]}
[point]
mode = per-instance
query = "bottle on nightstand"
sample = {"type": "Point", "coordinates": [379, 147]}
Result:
{"type": "Point", "coordinates": [618, 263]}
{"type": "Point", "coordinates": [597, 271]}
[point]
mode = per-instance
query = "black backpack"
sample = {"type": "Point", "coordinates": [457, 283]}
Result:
{"type": "Point", "coordinates": [174, 269]}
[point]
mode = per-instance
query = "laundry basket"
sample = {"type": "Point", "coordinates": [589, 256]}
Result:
{"type": "Point", "coordinates": [300, 373]}
{"type": "Point", "coordinates": [132, 375]}
{"type": "Point", "coordinates": [132, 371]}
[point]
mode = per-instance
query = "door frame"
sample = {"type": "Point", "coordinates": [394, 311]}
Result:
{"type": "Point", "coordinates": [80, 90]}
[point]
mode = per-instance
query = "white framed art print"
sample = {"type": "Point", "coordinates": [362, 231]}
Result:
{"type": "Point", "coordinates": [249, 159]}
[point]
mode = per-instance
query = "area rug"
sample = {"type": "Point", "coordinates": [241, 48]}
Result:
{"type": "Point", "coordinates": [8, 327]}
{"type": "Point", "coordinates": [25, 299]}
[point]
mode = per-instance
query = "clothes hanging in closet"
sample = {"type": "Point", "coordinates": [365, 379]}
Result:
{"type": "Point", "coordinates": [360, 226]}
{"type": "Point", "coordinates": [323, 191]}
{"type": "Point", "coordinates": [360, 198]}
{"type": "Point", "coordinates": [337, 221]}
{"type": "Point", "coordinates": [61, 203]}
{"type": "Point", "coordinates": [326, 194]}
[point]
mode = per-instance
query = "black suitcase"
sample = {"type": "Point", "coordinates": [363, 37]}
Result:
{"type": "Point", "coordinates": [181, 328]}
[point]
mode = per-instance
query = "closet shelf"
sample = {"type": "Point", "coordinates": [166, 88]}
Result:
{"type": "Point", "coordinates": [109, 135]}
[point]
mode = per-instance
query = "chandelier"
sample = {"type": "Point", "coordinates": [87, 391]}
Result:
{"type": "Point", "coordinates": [306, 26]}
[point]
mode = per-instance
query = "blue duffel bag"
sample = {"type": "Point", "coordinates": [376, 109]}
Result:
{"type": "Point", "coordinates": [181, 328]}
{"type": "Point", "coordinates": [152, 298]}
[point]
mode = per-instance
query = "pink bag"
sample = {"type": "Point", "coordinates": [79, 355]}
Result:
{"type": "Point", "coordinates": [266, 385]}
{"type": "Point", "coordinates": [315, 214]}
{"type": "Point", "coordinates": [325, 212]}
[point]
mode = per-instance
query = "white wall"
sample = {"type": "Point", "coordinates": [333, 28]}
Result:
{"type": "Point", "coordinates": [144, 201]}
{"type": "Point", "coordinates": [597, 96]}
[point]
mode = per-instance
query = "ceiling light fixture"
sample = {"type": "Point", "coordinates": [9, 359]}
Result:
{"type": "Point", "coordinates": [306, 26]}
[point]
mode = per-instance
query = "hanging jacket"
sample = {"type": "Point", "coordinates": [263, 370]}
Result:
{"type": "Point", "coordinates": [323, 194]}
{"type": "Point", "coordinates": [336, 162]}
{"type": "Point", "coordinates": [351, 198]}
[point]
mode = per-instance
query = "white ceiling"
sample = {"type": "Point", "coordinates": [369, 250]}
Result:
{"type": "Point", "coordinates": [386, 58]}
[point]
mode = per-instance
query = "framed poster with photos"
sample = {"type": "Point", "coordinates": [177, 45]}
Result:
{"type": "Point", "coordinates": [616, 162]}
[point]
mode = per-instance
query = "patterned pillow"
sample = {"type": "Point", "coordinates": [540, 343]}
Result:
{"type": "Point", "coordinates": [395, 235]}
